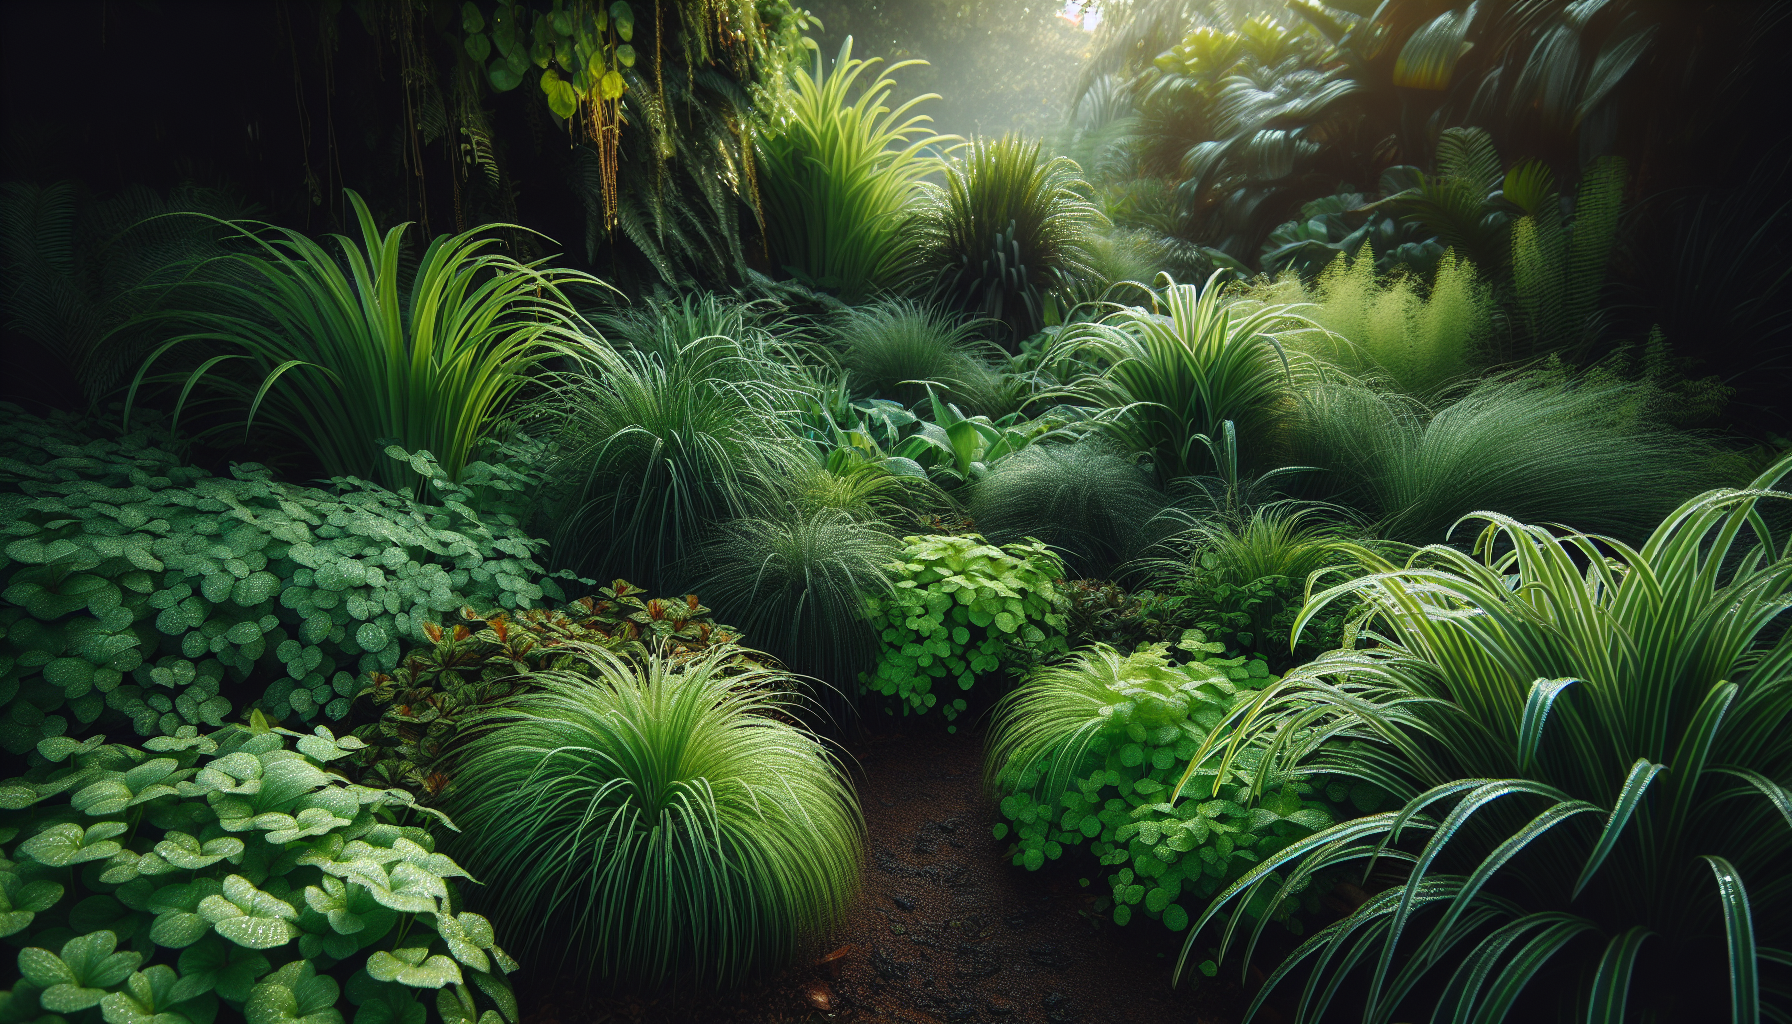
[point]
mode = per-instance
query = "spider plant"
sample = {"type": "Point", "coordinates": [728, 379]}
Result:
{"type": "Point", "coordinates": [840, 179]}
{"type": "Point", "coordinates": [1593, 746]}
{"type": "Point", "coordinates": [349, 355]}
{"type": "Point", "coordinates": [1178, 371]}
{"type": "Point", "coordinates": [657, 824]}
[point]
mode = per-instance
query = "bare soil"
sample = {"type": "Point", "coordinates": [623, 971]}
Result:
{"type": "Point", "coordinates": [945, 929]}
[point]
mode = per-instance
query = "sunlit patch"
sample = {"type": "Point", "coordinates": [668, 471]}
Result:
{"type": "Point", "coordinates": [1075, 13]}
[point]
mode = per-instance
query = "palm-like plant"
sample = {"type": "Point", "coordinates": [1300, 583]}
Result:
{"type": "Point", "coordinates": [344, 358]}
{"type": "Point", "coordinates": [1012, 229]}
{"type": "Point", "coordinates": [1177, 376]}
{"type": "Point", "coordinates": [840, 179]}
{"type": "Point", "coordinates": [1593, 745]}
{"type": "Point", "coordinates": [658, 823]}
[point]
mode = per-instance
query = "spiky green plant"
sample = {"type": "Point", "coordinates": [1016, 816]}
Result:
{"type": "Point", "coordinates": [1093, 504]}
{"type": "Point", "coordinates": [656, 824]}
{"type": "Point", "coordinates": [1582, 452]}
{"type": "Point", "coordinates": [345, 355]}
{"type": "Point", "coordinates": [711, 334]}
{"type": "Point", "coordinates": [652, 458]}
{"type": "Point", "coordinates": [1385, 327]}
{"type": "Point", "coordinates": [796, 582]}
{"type": "Point", "coordinates": [897, 347]}
{"type": "Point", "coordinates": [1593, 745]}
{"type": "Point", "coordinates": [1178, 371]}
{"type": "Point", "coordinates": [840, 178]}
{"type": "Point", "coordinates": [1013, 228]}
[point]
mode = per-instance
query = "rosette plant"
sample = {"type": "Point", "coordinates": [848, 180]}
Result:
{"type": "Point", "coordinates": [1592, 745]}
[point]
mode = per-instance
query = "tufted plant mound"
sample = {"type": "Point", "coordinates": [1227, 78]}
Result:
{"type": "Point", "coordinates": [658, 823]}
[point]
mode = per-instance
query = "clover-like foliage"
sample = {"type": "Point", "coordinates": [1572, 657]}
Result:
{"type": "Point", "coordinates": [202, 874]}
{"type": "Point", "coordinates": [960, 609]}
{"type": "Point", "coordinates": [1090, 750]}
{"type": "Point", "coordinates": [655, 821]}
{"type": "Point", "coordinates": [1592, 744]}
{"type": "Point", "coordinates": [141, 593]}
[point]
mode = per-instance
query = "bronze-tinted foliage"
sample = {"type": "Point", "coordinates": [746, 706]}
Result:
{"type": "Point", "coordinates": [485, 658]}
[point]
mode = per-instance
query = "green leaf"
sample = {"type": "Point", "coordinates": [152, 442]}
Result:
{"type": "Point", "coordinates": [295, 994]}
{"type": "Point", "coordinates": [217, 965]}
{"type": "Point", "coordinates": [414, 967]}
{"type": "Point", "coordinates": [1635, 784]}
{"type": "Point", "coordinates": [249, 917]}
{"type": "Point", "coordinates": [1611, 985]}
{"type": "Point", "coordinates": [80, 976]}
{"type": "Point", "coordinates": [1537, 703]}
{"type": "Point", "coordinates": [471, 20]}
{"type": "Point", "coordinates": [67, 843]}
{"type": "Point", "coordinates": [1739, 935]}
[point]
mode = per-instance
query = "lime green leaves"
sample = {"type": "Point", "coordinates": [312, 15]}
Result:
{"type": "Point", "coordinates": [961, 608]}
{"type": "Point", "coordinates": [415, 967]}
{"type": "Point", "coordinates": [79, 977]}
{"type": "Point", "coordinates": [578, 51]}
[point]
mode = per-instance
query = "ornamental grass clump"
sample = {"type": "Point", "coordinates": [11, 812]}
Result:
{"type": "Point", "coordinates": [658, 823]}
{"type": "Point", "coordinates": [904, 350]}
{"type": "Point", "coordinates": [1591, 744]}
{"type": "Point", "coordinates": [346, 354]}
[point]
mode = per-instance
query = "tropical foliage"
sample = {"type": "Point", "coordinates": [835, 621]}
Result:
{"type": "Point", "coordinates": [1588, 741]}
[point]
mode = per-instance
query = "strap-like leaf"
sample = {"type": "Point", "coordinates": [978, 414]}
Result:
{"type": "Point", "coordinates": [1634, 785]}
{"type": "Point", "coordinates": [1497, 859]}
{"type": "Point", "coordinates": [1739, 930]}
{"type": "Point", "coordinates": [1611, 986]}
{"type": "Point", "coordinates": [1775, 793]}
{"type": "Point", "coordinates": [1524, 966]}
{"type": "Point", "coordinates": [1536, 711]}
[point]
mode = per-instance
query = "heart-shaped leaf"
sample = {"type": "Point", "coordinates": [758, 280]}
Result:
{"type": "Point", "coordinates": [414, 967]}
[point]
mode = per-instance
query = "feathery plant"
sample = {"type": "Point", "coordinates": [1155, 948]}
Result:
{"type": "Point", "coordinates": [1175, 377]}
{"type": "Point", "coordinates": [1558, 268]}
{"type": "Point", "coordinates": [1581, 452]}
{"type": "Point", "coordinates": [796, 582]}
{"type": "Point", "coordinates": [1012, 229]}
{"type": "Point", "coordinates": [661, 823]}
{"type": "Point", "coordinates": [729, 339]}
{"type": "Point", "coordinates": [1092, 504]}
{"type": "Point", "coordinates": [1385, 327]}
{"type": "Point", "coordinates": [348, 355]}
{"type": "Point", "coordinates": [1593, 745]}
{"type": "Point", "coordinates": [897, 347]}
{"type": "Point", "coordinates": [840, 179]}
{"type": "Point", "coordinates": [652, 456]}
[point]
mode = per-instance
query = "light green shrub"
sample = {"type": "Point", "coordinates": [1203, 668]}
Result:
{"type": "Point", "coordinates": [146, 592]}
{"type": "Point", "coordinates": [962, 606]}
{"type": "Point", "coordinates": [1091, 751]}
{"type": "Point", "coordinates": [227, 873]}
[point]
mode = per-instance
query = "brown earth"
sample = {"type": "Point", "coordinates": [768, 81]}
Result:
{"type": "Point", "coordinates": [945, 929]}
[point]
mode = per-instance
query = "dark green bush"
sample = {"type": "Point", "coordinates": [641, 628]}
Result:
{"type": "Point", "coordinates": [140, 593]}
{"type": "Point", "coordinates": [961, 607]}
{"type": "Point", "coordinates": [227, 873]}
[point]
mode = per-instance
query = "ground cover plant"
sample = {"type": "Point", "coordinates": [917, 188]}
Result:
{"type": "Point", "coordinates": [225, 872]}
{"type": "Point", "coordinates": [670, 822]}
{"type": "Point", "coordinates": [1086, 752]}
{"type": "Point", "coordinates": [960, 608]}
{"type": "Point", "coordinates": [147, 595]}
{"type": "Point", "coordinates": [1591, 767]}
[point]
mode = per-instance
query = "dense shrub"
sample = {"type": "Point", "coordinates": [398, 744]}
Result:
{"type": "Point", "coordinates": [659, 822]}
{"type": "Point", "coordinates": [1591, 744]}
{"type": "Point", "coordinates": [141, 593]}
{"type": "Point", "coordinates": [1090, 502]}
{"type": "Point", "coordinates": [225, 872]}
{"type": "Point", "coordinates": [796, 582]}
{"type": "Point", "coordinates": [1092, 750]}
{"type": "Point", "coordinates": [423, 706]}
{"type": "Point", "coordinates": [1013, 229]}
{"type": "Point", "coordinates": [960, 609]}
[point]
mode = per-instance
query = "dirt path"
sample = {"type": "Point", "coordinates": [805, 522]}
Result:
{"type": "Point", "coordinates": [945, 930]}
